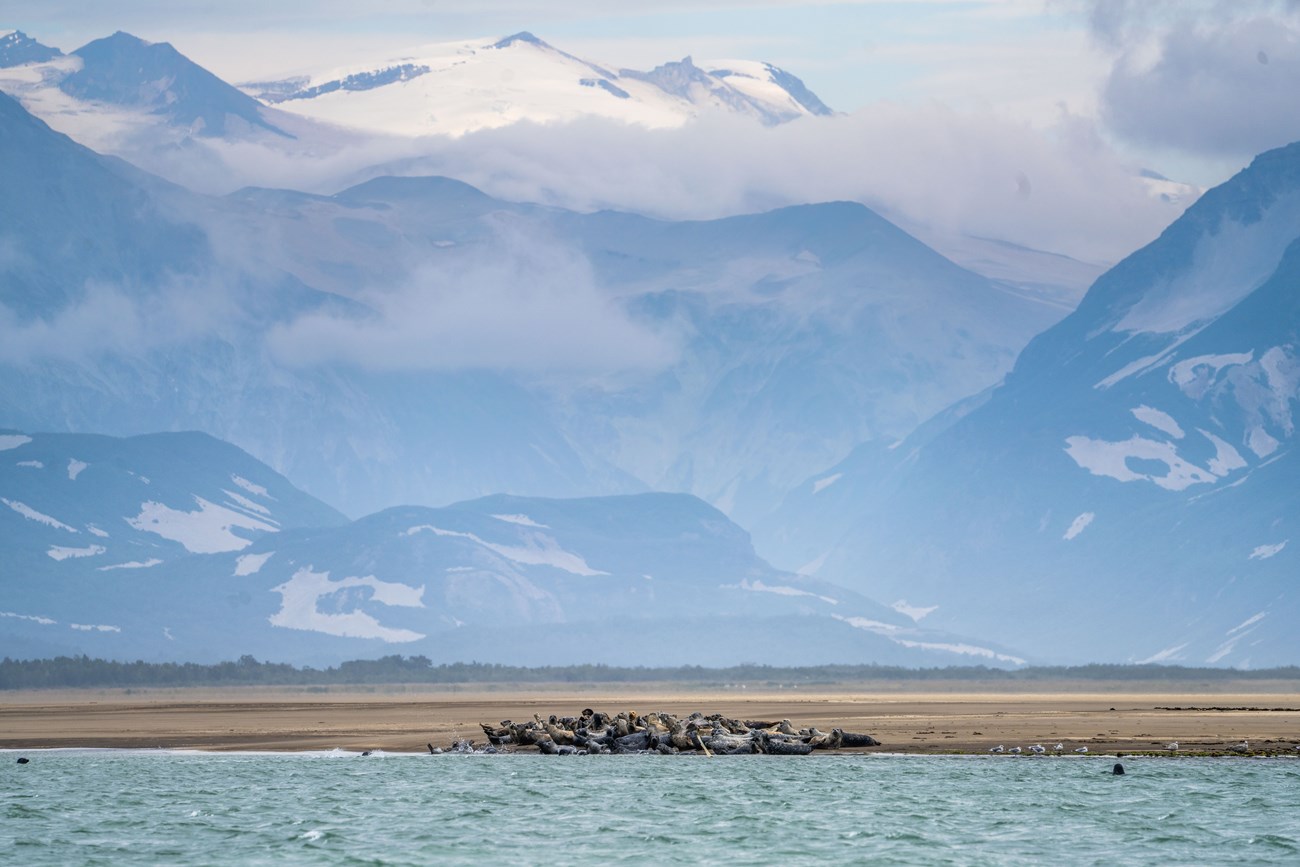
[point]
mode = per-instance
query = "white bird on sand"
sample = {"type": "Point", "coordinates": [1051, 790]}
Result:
{"type": "Point", "coordinates": [1037, 749]}
{"type": "Point", "coordinates": [1060, 748]}
{"type": "Point", "coordinates": [1243, 747]}
{"type": "Point", "coordinates": [1172, 746]}
{"type": "Point", "coordinates": [1081, 750]}
{"type": "Point", "coordinates": [1014, 751]}
{"type": "Point", "coordinates": [998, 749]}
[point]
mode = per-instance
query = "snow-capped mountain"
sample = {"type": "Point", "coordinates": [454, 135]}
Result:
{"type": "Point", "coordinates": [1130, 492]}
{"type": "Point", "coordinates": [453, 88]}
{"type": "Point", "coordinates": [178, 546]}
{"type": "Point", "coordinates": [325, 129]}
{"type": "Point", "coordinates": [314, 332]}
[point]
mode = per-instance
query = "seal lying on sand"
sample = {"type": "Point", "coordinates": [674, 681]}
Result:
{"type": "Point", "coordinates": [592, 733]}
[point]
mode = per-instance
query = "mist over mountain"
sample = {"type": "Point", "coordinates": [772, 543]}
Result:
{"type": "Point", "coordinates": [1129, 491]}
{"type": "Point", "coordinates": [527, 121]}
{"type": "Point", "coordinates": [415, 341]}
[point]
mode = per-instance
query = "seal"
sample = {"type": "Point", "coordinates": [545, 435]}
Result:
{"type": "Point", "coordinates": [22, 760]}
{"type": "Point", "coordinates": [1118, 770]}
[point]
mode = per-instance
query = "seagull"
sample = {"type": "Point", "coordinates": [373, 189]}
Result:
{"type": "Point", "coordinates": [1172, 746]}
{"type": "Point", "coordinates": [1081, 750]}
{"type": "Point", "coordinates": [998, 749]}
{"type": "Point", "coordinates": [1060, 748]}
{"type": "Point", "coordinates": [1014, 751]}
{"type": "Point", "coordinates": [1037, 749]}
{"type": "Point", "coordinates": [1243, 747]}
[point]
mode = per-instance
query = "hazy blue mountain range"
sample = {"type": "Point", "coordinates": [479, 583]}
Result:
{"type": "Point", "coordinates": [1130, 491]}
{"type": "Point", "coordinates": [813, 373]}
{"type": "Point", "coordinates": [178, 546]}
{"type": "Point", "coordinates": [728, 358]}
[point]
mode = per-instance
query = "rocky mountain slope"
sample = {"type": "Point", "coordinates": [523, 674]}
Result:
{"type": "Point", "coordinates": [1129, 493]}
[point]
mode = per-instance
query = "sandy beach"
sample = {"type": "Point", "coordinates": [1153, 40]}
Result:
{"type": "Point", "coordinates": [930, 718]}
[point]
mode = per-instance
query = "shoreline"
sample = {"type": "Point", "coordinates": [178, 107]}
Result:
{"type": "Point", "coordinates": [918, 721]}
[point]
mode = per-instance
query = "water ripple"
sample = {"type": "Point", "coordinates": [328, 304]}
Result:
{"type": "Point", "coordinates": [164, 808]}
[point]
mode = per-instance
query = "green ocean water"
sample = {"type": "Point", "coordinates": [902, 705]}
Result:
{"type": "Point", "coordinates": [155, 807]}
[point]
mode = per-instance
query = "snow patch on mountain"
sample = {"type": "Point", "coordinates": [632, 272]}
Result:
{"type": "Point", "coordinates": [95, 531]}
{"type": "Point", "coordinates": [33, 618]}
{"type": "Point", "coordinates": [1102, 458]}
{"type": "Point", "coordinates": [1264, 552]}
{"type": "Point", "coordinates": [57, 552]}
{"type": "Point", "coordinates": [1161, 421]}
{"type": "Point", "coordinates": [39, 517]}
{"type": "Point", "coordinates": [1132, 368]}
{"type": "Point", "coordinates": [1261, 442]}
{"type": "Point", "coordinates": [75, 467]}
{"type": "Point", "coordinates": [134, 564]}
{"type": "Point", "coordinates": [36, 465]}
{"type": "Point", "coordinates": [1249, 622]}
{"type": "Point", "coordinates": [916, 612]}
{"type": "Point", "coordinates": [962, 650]}
{"type": "Point", "coordinates": [1193, 375]}
{"type": "Point", "coordinates": [247, 504]}
{"type": "Point", "coordinates": [537, 550]}
{"type": "Point", "coordinates": [251, 564]}
{"type": "Point", "coordinates": [1079, 525]}
{"type": "Point", "coordinates": [886, 629]}
{"type": "Point", "coordinates": [822, 484]}
{"type": "Point", "coordinates": [205, 531]}
{"type": "Point", "coordinates": [757, 586]}
{"type": "Point", "coordinates": [252, 488]}
{"type": "Point", "coordinates": [1235, 636]}
{"type": "Point", "coordinates": [94, 627]}
{"type": "Point", "coordinates": [521, 520]}
{"type": "Point", "coordinates": [301, 596]}
{"type": "Point", "coordinates": [1169, 654]}
{"type": "Point", "coordinates": [1226, 458]}
{"type": "Point", "coordinates": [12, 441]}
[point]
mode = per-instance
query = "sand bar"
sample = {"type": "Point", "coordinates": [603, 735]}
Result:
{"type": "Point", "coordinates": [925, 718]}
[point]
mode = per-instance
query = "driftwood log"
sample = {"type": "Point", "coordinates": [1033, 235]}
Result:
{"type": "Point", "coordinates": [594, 733]}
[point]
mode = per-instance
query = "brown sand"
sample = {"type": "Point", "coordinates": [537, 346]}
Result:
{"type": "Point", "coordinates": [914, 718]}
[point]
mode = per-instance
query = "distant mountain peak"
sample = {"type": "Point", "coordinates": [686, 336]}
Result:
{"type": "Point", "coordinates": [126, 70]}
{"type": "Point", "coordinates": [17, 48]}
{"type": "Point", "coordinates": [521, 36]}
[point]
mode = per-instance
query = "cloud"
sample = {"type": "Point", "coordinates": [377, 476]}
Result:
{"type": "Point", "coordinates": [525, 304]}
{"type": "Point", "coordinates": [1061, 189]}
{"type": "Point", "coordinates": [1208, 79]}
{"type": "Point", "coordinates": [972, 172]}
{"type": "Point", "coordinates": [106, 319]}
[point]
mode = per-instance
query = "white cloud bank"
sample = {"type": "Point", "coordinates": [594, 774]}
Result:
{"type": "Point", "coordinates": [526, 304]}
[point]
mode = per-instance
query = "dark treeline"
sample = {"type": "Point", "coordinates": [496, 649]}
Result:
{"type": "Point", "coordinates": [82, 671]}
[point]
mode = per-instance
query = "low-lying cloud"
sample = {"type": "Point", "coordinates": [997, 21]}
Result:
{"type": "Point", "coordinates": [108, 319]}
{"type": "Point", "coordinates": [1062, 189]}
{"type": "Point", "coordinates": [525, 305]}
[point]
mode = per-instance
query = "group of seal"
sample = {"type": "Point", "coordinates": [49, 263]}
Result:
{"type": "Point", "coordinates": [593, 732]}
